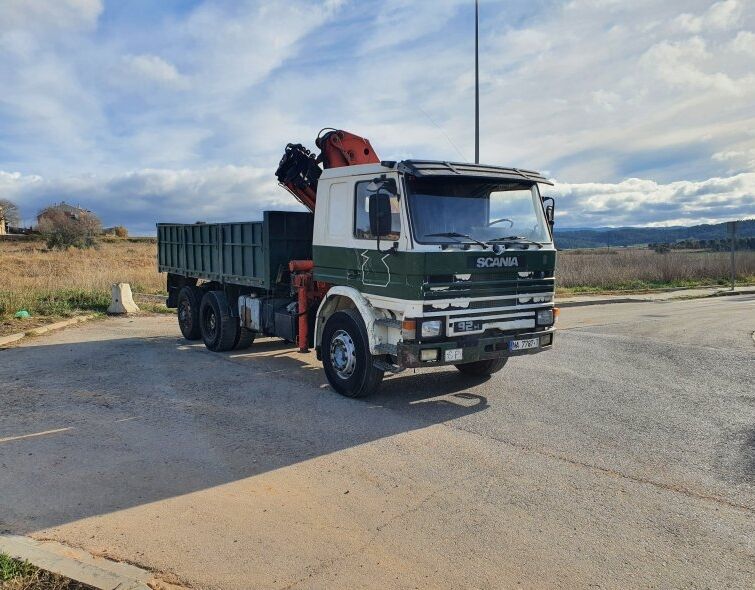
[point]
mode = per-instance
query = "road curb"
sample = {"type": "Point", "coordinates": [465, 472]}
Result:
{"type": "Point", "coordinates": [41, 330]}
{"type": "Point", "coordinates": [76, 564]}
{"type": "Point", "coordinates": [727, 293]}
{"type": "Point", "coordinates": [10, 339]}
{"type": "Point", "coordinates": [562, 304]}
{"type": "Point", "coordinates": [648, 299]}
{"type": "Point", "coordinates": [58, 325]}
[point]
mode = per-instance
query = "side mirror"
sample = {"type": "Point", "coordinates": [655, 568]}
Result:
{"type": "Point", "coordinates": [549, 206]}
{"type": "Point", "coordinates": [380, 215]}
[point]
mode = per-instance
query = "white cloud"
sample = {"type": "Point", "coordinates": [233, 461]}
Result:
{"type": "Point", "coordinates": [593, 90]}
{"type": "Point", "coordinates": [721, 15]}
{"type": "Point", "coordinates": [156, 69]}
{"type": "Point", "coordinates": [637, 201]}
{"type": "Point", "coordinates": [139, 199]}
{"type": "Point", "coordinates": [49, 14]}
{"type": "Point", "coordinates": [744, 42]}
{"type": "Point", "coordinates": [683, 63]}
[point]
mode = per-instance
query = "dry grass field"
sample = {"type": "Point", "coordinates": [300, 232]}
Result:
{"type": "Point", "coordinates": [54, 284]}
{"type": "Point", "coordinates": [639, 269]}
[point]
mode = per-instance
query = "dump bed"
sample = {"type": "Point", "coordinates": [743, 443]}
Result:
{"type": "Point", "coordinates": [249, 253]}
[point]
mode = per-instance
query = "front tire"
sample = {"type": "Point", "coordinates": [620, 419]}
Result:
{"type": "Point", "coordinates": [483, 368]}
{"type": "Point", "coordinates": [219, 328]}
{"type": "Point", "coordinates": [189, 298]}
{"type": "Point", "coordinates": [346, 355]}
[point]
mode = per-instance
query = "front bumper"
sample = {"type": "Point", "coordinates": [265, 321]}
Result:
{"type": "Point", "coordinates": [474, 348]}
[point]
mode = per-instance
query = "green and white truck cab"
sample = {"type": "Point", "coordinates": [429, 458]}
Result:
{"type": "Point", "coordinates": [400, 265]}
{"type": "Point", "coordinates": [446, 263]}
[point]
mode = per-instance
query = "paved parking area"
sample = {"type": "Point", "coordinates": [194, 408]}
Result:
{"type": "Point", "coordinates": [624, 458]}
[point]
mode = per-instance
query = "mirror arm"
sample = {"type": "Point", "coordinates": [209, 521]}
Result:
{"type": "Point", "coordinates": [392, 250]}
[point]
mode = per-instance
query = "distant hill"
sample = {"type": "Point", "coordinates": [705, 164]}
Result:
{"type": "Point", "coordinates": [601, 237]}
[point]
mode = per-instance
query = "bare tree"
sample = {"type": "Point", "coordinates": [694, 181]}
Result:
{"type": "Point", "coordinates": [62, 229]}
{"type": "Point", "coordinates": [10, 212]}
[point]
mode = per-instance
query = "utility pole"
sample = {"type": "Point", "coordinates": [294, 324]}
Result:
{"type": "Point", "coordinates": [476, 82]}
{"type": "Point", "coordinates": [732, 225]}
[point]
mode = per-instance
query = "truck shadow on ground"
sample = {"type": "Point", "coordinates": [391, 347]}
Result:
{"type": "Point", "coordinates": [89, 428]}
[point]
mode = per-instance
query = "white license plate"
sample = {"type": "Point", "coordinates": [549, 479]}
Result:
{"type": "Point", "coordinates": [524, 344]}
{"type": "Point", "coordinates": [453, 354]}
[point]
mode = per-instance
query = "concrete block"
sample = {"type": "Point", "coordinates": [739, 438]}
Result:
{"type": "Point", "coordinates": [123, 300]}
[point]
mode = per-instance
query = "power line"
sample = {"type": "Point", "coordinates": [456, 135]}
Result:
{"type": "Point", "coordinates": [443, 131]}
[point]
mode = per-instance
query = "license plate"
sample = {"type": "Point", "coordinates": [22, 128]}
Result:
{"type": "Point", "coordinates": [453, 354]}
{"type": "Point", "coordinates": [467, 326]}
{"type": "Point", "coordinates": [524, 344]}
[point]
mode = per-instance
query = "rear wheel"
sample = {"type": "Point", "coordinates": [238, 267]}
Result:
{"type": "Point", "coordinates": [219, 328]}
{"type": "Point", "coordinates": [346, 355]}
{"type": "Point", "coordinates": [482, 368]}
{"type": "Point", "coordinates": [189, 298]}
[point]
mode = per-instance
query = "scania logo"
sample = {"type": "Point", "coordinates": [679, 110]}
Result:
{"type": "Point", "coordinates": [497, 261]}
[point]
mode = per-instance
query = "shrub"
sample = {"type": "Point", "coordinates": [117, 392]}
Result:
{"type": "Point", "coordinates": [61, 230]}
{"type": "Point", "coordinates": [121, 231]}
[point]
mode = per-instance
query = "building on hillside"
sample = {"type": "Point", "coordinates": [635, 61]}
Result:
{"type": "Point", "coordinates": [69, 210]}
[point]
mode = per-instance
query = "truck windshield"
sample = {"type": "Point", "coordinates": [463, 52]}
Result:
{"type": "Point", "coordinates": [453, 210]}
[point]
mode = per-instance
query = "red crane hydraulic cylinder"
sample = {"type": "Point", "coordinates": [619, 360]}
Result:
{"type": "Point", "coordinates": [302, 280]}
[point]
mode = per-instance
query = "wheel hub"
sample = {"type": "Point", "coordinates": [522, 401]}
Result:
{"type": "Point", "coordinates": [343, 355]}
{"type": "Point", "coordinates": [184, 314]}
{"type": "Point", "coordinates": [210, 323]}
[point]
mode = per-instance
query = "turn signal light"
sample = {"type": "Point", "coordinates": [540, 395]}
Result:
{"type": "Point", "coordinates": [409, 329]}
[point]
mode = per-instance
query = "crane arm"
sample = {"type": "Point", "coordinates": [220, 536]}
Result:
{"type": "Point", "coordinates": [299, 169]}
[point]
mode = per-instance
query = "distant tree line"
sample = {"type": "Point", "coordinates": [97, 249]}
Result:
{"type": "Point", "coordinates": [634, 236]}
{"type": "Point", "coordinates": [722, 245]}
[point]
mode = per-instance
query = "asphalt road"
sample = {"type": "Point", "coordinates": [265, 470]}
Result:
{"type": "Point", "coordinates": [624, 458]}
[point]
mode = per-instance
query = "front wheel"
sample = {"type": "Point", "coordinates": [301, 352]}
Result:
{"type": "Point", "coordinates": [482, 368]}
{"type": "Point", "coordinates": [346, 355]}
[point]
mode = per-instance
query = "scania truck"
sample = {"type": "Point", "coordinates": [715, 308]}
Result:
{"type": "Point", "coordinates": [395, 265]}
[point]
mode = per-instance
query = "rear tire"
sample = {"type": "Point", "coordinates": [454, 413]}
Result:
{"type": "Point", "coordinates": [219, 328]}
{"type": "Point", "coordinates": [482, 368]}
{"type": "Point", "coordinates": [346, 355]}
{"type": "Point", "coordinates": [244, 339]}
{"type": "Point", "coordinates": [189, 298]}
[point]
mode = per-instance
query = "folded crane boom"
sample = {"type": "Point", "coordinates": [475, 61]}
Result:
{"type": "Point", "coordinates": [299, 169]}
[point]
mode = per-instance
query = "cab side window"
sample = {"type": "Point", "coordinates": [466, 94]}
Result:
{"type": "Point", "coordinates": [362, 214]}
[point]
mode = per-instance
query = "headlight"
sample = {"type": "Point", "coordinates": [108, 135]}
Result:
{"type": "Point", "coordinates": [431, 329]}
{"type": "Point", "coordinates": [545, 317]}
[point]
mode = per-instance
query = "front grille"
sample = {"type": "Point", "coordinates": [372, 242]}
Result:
{"type": "Point", "coordinates": [506, 304]}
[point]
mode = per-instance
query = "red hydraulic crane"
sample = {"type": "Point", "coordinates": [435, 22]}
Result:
{"type": "Point", "coordinates": [298, 172]}
{"type": "Point", "coordinates": [299, 169]}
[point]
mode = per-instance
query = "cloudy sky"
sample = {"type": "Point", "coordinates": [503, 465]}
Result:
{"type": "Point", "coordinates": [643, 112]}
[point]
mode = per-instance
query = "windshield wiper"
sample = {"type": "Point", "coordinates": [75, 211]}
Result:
{"type": "Point", "coordinates": [515, 239]}
{"type": "Point", "coordinates": [454, 234]}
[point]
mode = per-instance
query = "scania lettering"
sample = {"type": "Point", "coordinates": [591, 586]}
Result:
{"type": "Point", "coordinates": [394, 265]}
{"type": "Point", "coordinates": [497, 262]}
